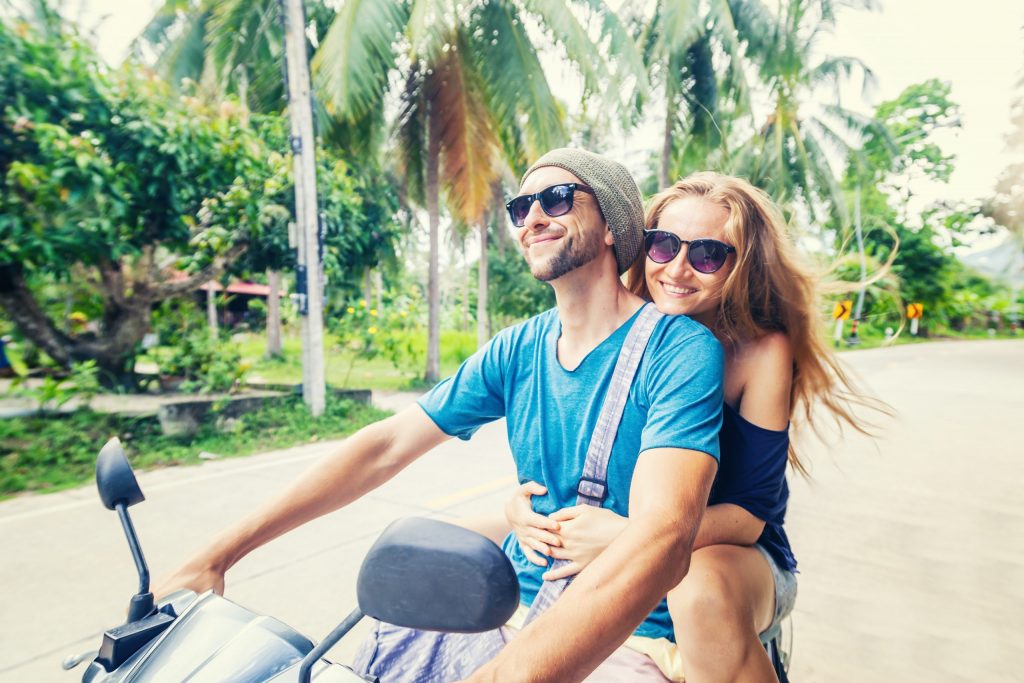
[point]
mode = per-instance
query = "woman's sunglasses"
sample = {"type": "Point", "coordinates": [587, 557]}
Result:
{"type": "Point", "coordinates": [555, 201]}
{"type": "Point", "coordinates": [705, 255]}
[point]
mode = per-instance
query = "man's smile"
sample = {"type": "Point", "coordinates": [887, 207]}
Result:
{"type": "Point", "coordinates": [543, 239]}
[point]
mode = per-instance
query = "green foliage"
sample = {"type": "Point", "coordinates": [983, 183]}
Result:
{"type": "Point", "coordinates": [256, 315]}
{"type": "Point", "coordinates": [190, 353]}
{"type": "Point", "coordinates": [513, 293]}
{"type": "Point", "coordinates": [97, 166]}
{"type": "Point", "coordinates": [364, 332]}
{"type": "Point", "coordinates": [924, 269]}
{"type": "Point", "coordinates": [109, 176]}
{"type": "Point", "coordinates": [910, 119]}
{"type": "Point", "coordinates": [51, 453]}
{"type": "Point", "coordinates": [206, 363]}
{"type": "Point", "coordinates": [53, 391]}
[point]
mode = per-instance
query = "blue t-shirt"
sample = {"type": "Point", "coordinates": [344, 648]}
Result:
{"type": "Point", "coordinates": [675, 402]}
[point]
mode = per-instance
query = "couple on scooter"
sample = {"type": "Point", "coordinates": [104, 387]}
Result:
{"type": "Point", "coordinates": [617, 470]}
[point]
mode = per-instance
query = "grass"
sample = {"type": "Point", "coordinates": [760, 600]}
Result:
{"type": "Point", "coordinates": [50, 453]}
{"type": "Point", "coordinates": [376, 373]}
{"type": "Point", "coordinates": [872, 337]}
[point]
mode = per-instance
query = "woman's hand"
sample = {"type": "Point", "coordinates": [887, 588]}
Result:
{"type": "Point", "coordinates": [534, 531]}
{"type": "Point", "coordinates": [584, 532]}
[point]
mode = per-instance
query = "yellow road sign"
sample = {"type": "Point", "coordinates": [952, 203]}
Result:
{"type": "Point", "coordinates": [915, 311]}
{"type": "Point", "coordinates": [842, 310]}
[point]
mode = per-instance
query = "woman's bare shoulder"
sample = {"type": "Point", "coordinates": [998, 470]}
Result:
{"type": "Point", "coordinates": [767, 367]}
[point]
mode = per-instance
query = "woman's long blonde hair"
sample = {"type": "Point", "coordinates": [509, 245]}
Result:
{"type": "Point", "coordinates": [768, 290]}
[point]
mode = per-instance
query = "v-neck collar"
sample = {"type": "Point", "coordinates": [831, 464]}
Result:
{"type": "Point", "coordinates": [558, 335]}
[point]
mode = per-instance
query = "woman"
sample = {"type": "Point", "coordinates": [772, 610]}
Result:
{"type": "Point", "coordinates": [716, 250]}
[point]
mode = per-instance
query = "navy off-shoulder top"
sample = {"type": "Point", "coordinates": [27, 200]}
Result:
{"type": "Point", "coordinates": [752, 475]}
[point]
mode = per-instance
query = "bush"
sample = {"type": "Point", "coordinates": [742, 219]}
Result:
{"type": "Point", "coordinates": [205, 362]}
{"type": "Point", "coordinates": [56, 390]}
{"type": "Point", "coordinates": [366, 332]}
{"type": "Point", "coordinates": [48, 453]}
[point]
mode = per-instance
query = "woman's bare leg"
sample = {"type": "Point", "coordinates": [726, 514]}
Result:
{"type": "Point", "coordinates": [725, 601]}
{"type": "Point", "coordinates": [493, 526]}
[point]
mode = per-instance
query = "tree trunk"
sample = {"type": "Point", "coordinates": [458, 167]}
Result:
{"type": "Point", "coordinates": [274, 343]}
{"type": "Point", "coordinates": [666, 141]}
{"type": "Point", "coordinates": [483, 327]}
{"type": "Point", "coordinates": [124, 324]}
{"type": "Point", "coordinates": [465, 287]}
{"type": "Point", "coordinates": [378, 286]}
{"type": "Point", "coordinates": [367, 288]}
{"type": "Point", "coordinates": [126, 314]}
{"type": "Point", "coordinates": [23, 310]}
{"type": "Point", "coordinates": [433, 369]}
{"type": "Point", "coordinates": [211, 309]}
{"type": "Point", "coordinates": [500, 221]}
{"type": "Point", "coordinates": [114, 348]}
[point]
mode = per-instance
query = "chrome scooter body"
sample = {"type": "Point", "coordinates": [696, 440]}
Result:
{"type": "Point", "coordinates": [421, 573]}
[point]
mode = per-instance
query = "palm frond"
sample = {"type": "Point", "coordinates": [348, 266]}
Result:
{"type": "Point", "coordinates": [362, 138]}
{"type": "Point", "coordinates": [430, 25]}
{"type": "Point", "coordinates": [681, 25]}
{"type": "Point", "coordinates": [817, 167]}
{"type": "Point", "coordinates": [833, 70]}
{"type": "Point", "coordinates": [757, 26]}
{"type": "Point", "coordinates": [726, 33]}
{"type": "Point", "coordinates": [836, 142]}
{"type": "Point", "coordinates": [411, 136]}
{"type": "Point", "coordinates": [516, 91]}
{"type": "Point", "coordinates": [245, 47]}
{"type": "Point", "coordinates": [351, 67]}
{"type": "Point", "coordinates": [185, 56]}
{"type": "Point", "coordinates": [625, 53]}
{"type": "Point", "coordinates": [157, 32]}
{"type": "Point", "coordinates": [557, 18]}
{"type": "Point", "coordinates": [469, 149]}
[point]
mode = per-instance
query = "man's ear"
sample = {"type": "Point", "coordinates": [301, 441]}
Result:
{"type": "Point", "coordinates": [609, 239]}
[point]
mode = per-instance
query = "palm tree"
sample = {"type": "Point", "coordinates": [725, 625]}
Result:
{"type": "Point", "coordinates": [679, 42]}
{"type": "Point", "coordinates": [474, 99]}
{"type": "Point", "coordinates": [787, 156]}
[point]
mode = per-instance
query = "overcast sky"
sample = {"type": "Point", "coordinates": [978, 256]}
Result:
{"type": "Point", "coordinates": [978, 46]}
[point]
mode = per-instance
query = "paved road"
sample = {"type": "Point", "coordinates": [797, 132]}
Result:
{"type": "Point", "coordinates": [910, 548]}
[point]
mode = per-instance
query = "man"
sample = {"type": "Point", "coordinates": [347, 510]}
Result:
{"type": "Point", "coordinates": [580, 224]}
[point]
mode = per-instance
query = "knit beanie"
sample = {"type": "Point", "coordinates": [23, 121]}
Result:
{"type": "Point", "coordinates": [617, 196]}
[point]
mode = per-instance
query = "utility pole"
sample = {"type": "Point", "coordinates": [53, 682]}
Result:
{"type": "Point", "coordinates": [855, 325]}
{"type": "Point", "coordinates": [309, 278]}
{"type": "Point", "coordinates": [863, 260]}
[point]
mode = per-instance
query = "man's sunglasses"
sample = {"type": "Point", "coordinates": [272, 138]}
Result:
{"type": "Point", "coordinates": [555, 201]}
{"type": "Point", "coordinates": [705, 255]}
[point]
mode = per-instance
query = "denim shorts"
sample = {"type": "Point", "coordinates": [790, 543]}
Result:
{"type": "Point", "coordinates": [785, 594]}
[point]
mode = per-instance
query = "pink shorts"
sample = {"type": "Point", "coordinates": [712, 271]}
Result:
{"type": "Point", "coordinates": [622, 665]}
{"type": "Point", "coordinates": [627, 665]}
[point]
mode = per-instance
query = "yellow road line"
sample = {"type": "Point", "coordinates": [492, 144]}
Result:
{"type": "Point", "coordinates": [442, 502]}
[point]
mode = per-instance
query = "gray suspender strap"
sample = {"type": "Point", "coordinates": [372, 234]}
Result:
{"type": "Point", "coordinates": [592, 488]}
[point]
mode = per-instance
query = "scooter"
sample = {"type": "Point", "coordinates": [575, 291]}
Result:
{"type": "Point", "coordinates": [421, 573]}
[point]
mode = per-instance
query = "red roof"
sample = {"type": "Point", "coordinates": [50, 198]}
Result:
{"type": "Point", "coordinates": [250, 288]}
{"type": "Point", "coordinates": [236, 287]}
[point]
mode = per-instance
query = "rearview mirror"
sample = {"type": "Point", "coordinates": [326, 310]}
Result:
{"type": "Point", "coordinates": [115, 478]}
{"type": "Point", "coordinates": [434, 576]}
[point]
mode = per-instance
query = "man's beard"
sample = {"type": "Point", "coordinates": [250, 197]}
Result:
{"type": "Point", "coordinates": [571, 256]}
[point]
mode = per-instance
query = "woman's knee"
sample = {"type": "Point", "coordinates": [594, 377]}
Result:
{"type": "Point", "coordinates": [711, 592]}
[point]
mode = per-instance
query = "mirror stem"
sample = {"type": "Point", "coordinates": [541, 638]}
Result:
{"type": "Point", "coordinates": [133, 543]}
{"type": "Point", "coordinates": [306, 668]}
